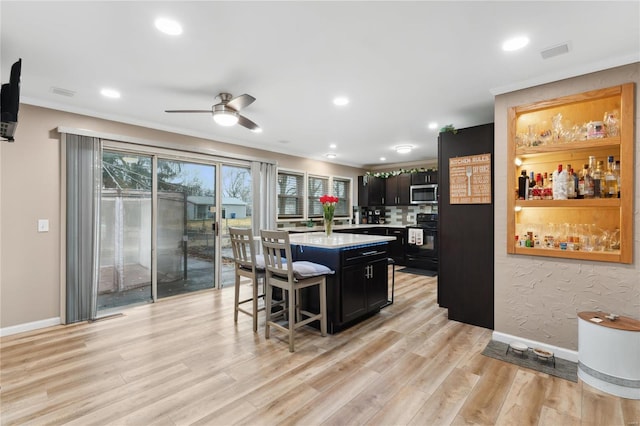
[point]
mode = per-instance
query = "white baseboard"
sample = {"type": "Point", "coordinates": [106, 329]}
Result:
{"type": "Point", "coordinates": [559, 352]}
{"type": "Point", "coordinates": [30, 326]}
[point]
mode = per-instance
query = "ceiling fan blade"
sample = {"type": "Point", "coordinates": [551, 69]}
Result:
{"type": "Point", "coordinates": [241, 101]}
{"type": "Point", "coordinates": [188, 110]}
{"type": "Point", "coordinates": [245, 122]}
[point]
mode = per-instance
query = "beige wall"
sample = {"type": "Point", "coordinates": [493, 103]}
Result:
{"type": "Point", "coordinates": [30, 190]}
{"type": "Point", "coordinates": [538, 298]}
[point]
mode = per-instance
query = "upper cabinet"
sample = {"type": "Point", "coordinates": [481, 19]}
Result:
{"type": "Point", "coordinates": [422, 178]}
{"type": "Point", "coordinates": [554, 219]}
{"type": "Point", "coordinates": [397, 190]}
{"type": "Point", "coordinates": [371, 191]}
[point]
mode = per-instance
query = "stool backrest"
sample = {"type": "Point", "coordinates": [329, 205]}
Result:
{"type": "Point", "coordinates": [244, 253]}
{"type": "Point", "coordinates": [277, 253]}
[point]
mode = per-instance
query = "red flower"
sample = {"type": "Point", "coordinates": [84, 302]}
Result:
{"type": "Point", "coordinates": [328, 199]}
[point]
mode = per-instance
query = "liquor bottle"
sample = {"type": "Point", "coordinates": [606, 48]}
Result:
{"type": "Point", "coordinates": [537, 188]}
{"type": "Point", "coordinates": [581, 187]}
{"type": "Point", "coordinates": [616, 172]}
{"type": "Point", "coordinates": [598, 180]}
{"type": "Point", "coordinates": [611, 183]}
{"type": "Point", "coordinates": [572, 183]}
{"type": "Point", "coordinates": [560, 184]}
{"type": "Point", "coordinates": [588, 182]}
{"type": "Point", "coordinates": [523, 186]}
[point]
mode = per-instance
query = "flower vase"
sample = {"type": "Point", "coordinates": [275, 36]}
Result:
{"type": "Point", "coordinates": [328, 227]}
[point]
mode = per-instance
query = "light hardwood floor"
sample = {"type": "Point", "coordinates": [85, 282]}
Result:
{"type": "Point", "coordinates": [183, 361]}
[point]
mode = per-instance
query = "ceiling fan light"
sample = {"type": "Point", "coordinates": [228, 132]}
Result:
{"type": "Point", "coordinates": [225, 118]}
{"type": "Point", "coordinates": [403, 149]}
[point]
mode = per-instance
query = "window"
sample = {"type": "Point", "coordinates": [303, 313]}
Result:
{"type": "Point", "coordinates": [342, 190]}
{"type": "Point", "coordinates": [318, 186]}
{"type": "Point", "coordinates": [290, 194]}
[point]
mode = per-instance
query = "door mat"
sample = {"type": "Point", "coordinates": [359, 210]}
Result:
{"type": "Point", "coordinates": [564, 369]}
{"type": "Point", "coordinates": [418, 271]}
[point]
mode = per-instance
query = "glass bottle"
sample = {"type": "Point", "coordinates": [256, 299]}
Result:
{"type": "Point", "coordinates": [611, 183]}
{"type": "Point", "coordinates": [560, 184]}
{"type": "Point", "coordinates": [523, 186]}
{"type": "Point", "coordinates": [588, 181]}
{"type": "Point", "coordinates": [572, 183]}
{"type": "Point", "coordinates": [598, 180]}
{"type": "Point", "coordinates": [616, 172]}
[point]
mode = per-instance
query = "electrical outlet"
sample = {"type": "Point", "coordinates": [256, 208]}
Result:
{"type": "Point", "coordinates": [43, 225]}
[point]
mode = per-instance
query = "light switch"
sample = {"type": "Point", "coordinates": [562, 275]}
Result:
{"type": "Point", "coordinates": [43, 225]}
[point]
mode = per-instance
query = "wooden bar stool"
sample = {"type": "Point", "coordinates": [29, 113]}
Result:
{"type": "Point", "coordinates": [246, 265]}
{"type": "Point", "coordinates": [291, 277]}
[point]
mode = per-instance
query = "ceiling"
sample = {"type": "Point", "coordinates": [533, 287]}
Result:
{"type": "Point", "coordinates": [401, 64]}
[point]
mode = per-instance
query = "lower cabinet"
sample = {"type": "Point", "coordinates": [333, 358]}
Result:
{"type": "Point", "coordinates": [364, 288]}
{"type": "Point", "coordinates": [358, 288]}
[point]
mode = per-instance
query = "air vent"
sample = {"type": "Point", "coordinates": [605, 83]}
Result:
{"type": "Point", "coordinates": [63, 92]}
{"type": "Point", "coordinates": [560, 49]}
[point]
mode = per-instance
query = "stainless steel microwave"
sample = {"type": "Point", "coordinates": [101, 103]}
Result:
{"type": "Point", "coordinates": [424, 194]}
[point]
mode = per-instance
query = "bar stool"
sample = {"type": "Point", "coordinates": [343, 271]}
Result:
{"type": "Point", "coordinates": [291, 277]}
{"type": "Point", "coordinates": [246, 265]}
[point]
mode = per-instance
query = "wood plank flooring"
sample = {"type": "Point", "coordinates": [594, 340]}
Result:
{"type": "Point", "coordinates": [183, 361]}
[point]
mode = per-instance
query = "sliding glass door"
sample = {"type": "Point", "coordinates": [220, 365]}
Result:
{"type": "Point", "coordinates": [186, 227]}
{"type": "Point", "coordinates": [164, 225]}
{"type": "Point", "coordinates": [125, 230]}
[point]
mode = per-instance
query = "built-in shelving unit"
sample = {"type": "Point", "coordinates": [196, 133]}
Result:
{"type": "Point", "coordinates": [608, 221]}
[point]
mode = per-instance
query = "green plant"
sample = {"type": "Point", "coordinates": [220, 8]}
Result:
{"type": "Point", "coordinates": [449, 128]}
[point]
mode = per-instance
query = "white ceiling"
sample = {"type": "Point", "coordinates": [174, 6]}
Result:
{"type": "Point", "coordinates": [402, 64]}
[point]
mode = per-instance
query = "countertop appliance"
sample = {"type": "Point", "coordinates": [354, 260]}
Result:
{"type": "Point", "coordinates": [422, 242]}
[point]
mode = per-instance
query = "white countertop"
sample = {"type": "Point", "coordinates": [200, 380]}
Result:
{"type": "Point", "coordinates": [336, 240]}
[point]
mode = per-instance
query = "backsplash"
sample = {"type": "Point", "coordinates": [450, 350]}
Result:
{"type": "Point", "coordinates": [393, 215]}
{"type": "Point", "coordinates": [406, 215]}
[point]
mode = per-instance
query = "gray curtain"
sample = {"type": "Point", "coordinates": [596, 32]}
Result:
{"type": "Point", "coordinates": [265, 210]}
{"type": "Point", "coordinates": [83, 156]}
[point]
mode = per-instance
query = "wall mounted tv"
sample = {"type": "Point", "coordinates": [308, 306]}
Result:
{"type": "Point", "coordinates": [9, 103]}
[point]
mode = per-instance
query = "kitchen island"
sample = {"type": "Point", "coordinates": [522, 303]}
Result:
{"type": "Point", "coordinates": [359, 288]}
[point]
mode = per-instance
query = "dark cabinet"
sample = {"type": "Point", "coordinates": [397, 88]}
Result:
{"type": "Point", "coordinates": [371, 191]}
{"type": "Point", "coordinates": [364, 284]}
{"type": "Point", "coordinates": [422, 178]}
{"type": "Point", "coordinates": [397, 190]}
{"type": "Point", "coordinates": [357, 289]}
{"type": "Point", "coordinates": [466, 236]}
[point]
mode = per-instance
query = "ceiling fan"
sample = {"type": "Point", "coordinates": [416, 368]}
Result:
{"type": "Point", "coordinates": [227, 111]}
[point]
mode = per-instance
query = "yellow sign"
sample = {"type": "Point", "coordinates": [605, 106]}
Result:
{"type": "Point", "coordinates": [470, 179]}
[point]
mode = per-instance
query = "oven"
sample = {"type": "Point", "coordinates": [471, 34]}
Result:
{"type": "Point", "coordinates": [422, 242]}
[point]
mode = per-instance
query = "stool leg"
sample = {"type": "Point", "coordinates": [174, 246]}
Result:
{"type": "Point", "coordinates": [393, 281]}
{"type": "Point", "coordinates": [255, 304]}
{"type": "Point", "coordinates": [267, 307]}
{"type": "Point", "coordinates": [237, 299]}
{"type": "Point", "coordinates": [323, 307]}
{"type": "Point", "coordinates": [292, 316]}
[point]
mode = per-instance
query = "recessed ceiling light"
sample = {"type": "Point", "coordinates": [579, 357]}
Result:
{"type": "Point", "coordinates": [110, 93]}
{"type": "Point", "coordinates": [340, 101]}
{"type": "Point", "coordinates": [168, 26]}
{"type": "Point", "coordinates": [403, 149]}
{"type": "Point", "coordinates": [257, 130]}
{"type": "Point", "coordinates": [332, 146]}
{"type": "Point", "coordinates": [515, 43]}
{"type": "Point", "coordinates": [330, 155]}
{"type": "Point", "coordinates": [383, 158]}
{"type": "Point", "coordinates": [433, 125]}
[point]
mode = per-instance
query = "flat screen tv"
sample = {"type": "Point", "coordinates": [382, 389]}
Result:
{"type": "Point", "coordinates": [9, 103]}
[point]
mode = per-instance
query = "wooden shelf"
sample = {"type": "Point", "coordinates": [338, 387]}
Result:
{"type": "Point", "coordinates": [579, 146]}
{"type": "Point", "coordinates": [592, 202]}
{"type": "Point", "coordinates": [602, 256]}
{"type": "Point", "coordinates": [606, 214]}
